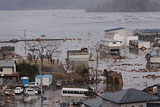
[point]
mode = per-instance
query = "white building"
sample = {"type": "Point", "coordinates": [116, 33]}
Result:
{"type": "Point", "coordinates": [120, 34]}
{"type": "Point", "coordinates": [138, 46]}
{"type": "Point", "coordinates": [109, 48]}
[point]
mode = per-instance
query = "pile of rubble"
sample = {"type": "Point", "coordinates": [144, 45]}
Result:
{"type": "Point", "coordinates": [149, 76]}
{"type": "Point", "coordinates": [136, 64]}
{"type": "Point", "coordinates": [141, 70]}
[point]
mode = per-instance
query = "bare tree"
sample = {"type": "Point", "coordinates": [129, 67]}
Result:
{"type": "Point", "coordinates": [51, 50]}
{"type": "Point", "coordinates": [42, 49]}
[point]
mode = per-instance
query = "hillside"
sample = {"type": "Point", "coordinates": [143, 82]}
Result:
{"type": "Point", "coordinates": [127, 6]}
{"type": "Point", "coordinates": [47, 4]}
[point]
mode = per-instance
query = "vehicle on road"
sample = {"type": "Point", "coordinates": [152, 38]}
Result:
{"type": "Point", "coordinates": [30, 91]}
{"type": "Point", "coordinates": [77, 103]}
{"type": "Point", "coordinates": [58, 83]}
{"type": "Point", "coordinates": [18, 90]}
{"type": "Point", "coordinates": [31, 84]}
{"type": "Point", "coordinates": [64, 104]}
{"type": "Point", "coordinates": [74, 92]}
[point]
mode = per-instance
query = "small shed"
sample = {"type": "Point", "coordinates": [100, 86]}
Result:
{"type": "Point", "coordinates": [25, 80]}
{"type": "Point", "coordinates": [46, 79]}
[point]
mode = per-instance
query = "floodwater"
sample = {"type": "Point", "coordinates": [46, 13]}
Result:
{"type": "Point", "coordinates": [52, 94]}
{"type": "Point", "coordinates": [76, 24]}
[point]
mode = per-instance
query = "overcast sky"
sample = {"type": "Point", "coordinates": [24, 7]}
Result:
{"type": "Point", "coordinates": [48, 4]}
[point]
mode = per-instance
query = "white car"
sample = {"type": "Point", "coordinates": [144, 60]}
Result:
{"type": "Point", "coordinates": [30, 91]}
{"type": "Point", "coordinates": [31, 84]}
{"type": "Point", "coordinates": [18, 90]}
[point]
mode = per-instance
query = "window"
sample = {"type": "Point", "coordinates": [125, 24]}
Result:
{"type": "Point", "coordinates": [65, 91]}
{"type": "Point", "coordinates": [1, 69]}
{"type": "Point", "coordinates": [70, 92]}
{"type": "Point", "coordinates": [114, 42]}
{"type": "Point", "coordinates": [76, 92]}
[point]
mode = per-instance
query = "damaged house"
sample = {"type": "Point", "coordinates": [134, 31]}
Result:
{"type": "Point", "coordinates": [110, 48]}
{"type": "Point", "coordinates": [147, 34]}
{"type": "Point", "coordinates": [137, 46]}
{"type": "Point", "coordinates": [8, 70]}
{"type": "Point", "coordinates": [114, 81]}
{"type": "Point", "coordinates": [75, 58]}
{"type": "Point", "coordinates": [153, 60]}
{"type": "Point", "coordinates": [7, 51]}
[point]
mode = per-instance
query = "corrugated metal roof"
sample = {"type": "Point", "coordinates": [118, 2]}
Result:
{"type": "Point", "coordinates": [94, 102]}
{"type": "Point", "coordinates": [130, 96]}
{"type": "Point", "coordinates": [39, 76]}
{"type": "Point", "coordinates": [7, 63]}
{"type": "Point", "coordinates": [147, 31]}
{"type": "Point", "coordinates": [114, 29]}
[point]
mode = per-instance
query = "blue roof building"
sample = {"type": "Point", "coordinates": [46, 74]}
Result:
{"type": "Point", "coordinates": [147, 34]}
{"type": "Point", "coordinates": [114, 29]}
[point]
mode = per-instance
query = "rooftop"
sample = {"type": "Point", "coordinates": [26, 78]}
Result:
{"type": "Point", "coordinates": [130, 96]}
{"type": "Point", "coordinates": [146, 31]}
{"type": "Point", "coordinates": [114, 29]}
{"type": "Point", "coordinates": [109, 40]}
{"type": "Point", "coordinates": [7, 63]}
{"type": "Point", "coordinates": [94, 102]}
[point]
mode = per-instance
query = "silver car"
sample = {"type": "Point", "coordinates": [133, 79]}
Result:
{"type": "Point", "coordinates": [18, 90]}
{"type": "Point", "coordinates": [30, 91]}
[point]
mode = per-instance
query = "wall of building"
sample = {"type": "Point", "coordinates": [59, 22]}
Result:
{"type": "Point", "coordinates": [106, 103]}
{"type": "Point", "coordinates": [155, 60]}
{"type": "Point", "coordinates": [143, 44]}
{"type": "Point", "coordinates": [113, 44]}
{"type": "Point", "coordinates": [144, 104]}
{"type": "Point", "coordinates": [73, 65]}
{"type": "Point", "coordinates": [78, 58]}
{"type": "Point", "coordinates": [14, 68]}
{"type": "Point", "coordinates": [119, 35]}
{"type": "Point", "coordinates": [7, 71]}
{"type": "Point", "coordinates": [131, 38]}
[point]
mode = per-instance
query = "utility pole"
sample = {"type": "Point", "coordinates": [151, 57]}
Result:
{"type": "Point", "coordinates": [41, 81]}
{"type": "Point", "coordinates": [25, 41]}
{"type": "Point", "coordinates": [97, 64]}
{"type": "Point", "coordinates": [97, 67]}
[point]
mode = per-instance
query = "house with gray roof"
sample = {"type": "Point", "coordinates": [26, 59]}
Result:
{"type": "Point", "coordinates": [128, 98]}
{"type": "Point", "coordinates": [153, 59]}
{"type": "Point", "coordinates": [8, 69]}
{"type": "Point", "coordinates": [147, 34]}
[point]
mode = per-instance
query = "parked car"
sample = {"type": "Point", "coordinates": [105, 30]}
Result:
{"type": "Point", "coordinates": [58, 83]}
{"type": "Point", "coordinates": [18, 90]}
{"type": "Point", "coordinates": [30, 91]}
{"type": "Point", "coordinates": [77, 102]}
{"type": "Point", "coordinates": [64, 104]}
{"type": "Point", "coordinates": [31, 84]}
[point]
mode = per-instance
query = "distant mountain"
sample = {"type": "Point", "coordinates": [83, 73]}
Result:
{"type": "Point", "coordinates": [127, 6]}
{"type": "Point", "coordinates": [48, 4]}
